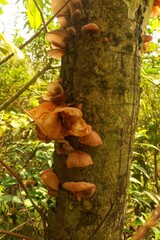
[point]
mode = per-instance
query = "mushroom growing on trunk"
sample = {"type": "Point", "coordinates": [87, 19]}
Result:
{"type": "Point", "coordinates": [81, 190]}
{"type": "Point", "coordinates": [78, 159]}
{"type": "Point", "coordinates": [50, 179]}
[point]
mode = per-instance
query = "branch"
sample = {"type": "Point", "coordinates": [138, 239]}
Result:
{"type": "Point", "coordinates": [143, 230]}
{"type": "Point", "coordinates": [35, 35]}
{"type": "Point", "coordinates": [16, 235]}
{"type": "Point", "coordinates": [26, 86]}
{"type": "Point", "coordinates": [16, 228]}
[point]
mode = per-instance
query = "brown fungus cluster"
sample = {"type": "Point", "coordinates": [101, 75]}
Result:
{"type": "Point", "coordinates": [156, 8]}
{"type": "Point", "coordinates": [54, 118]}
{"type": "Point", "coordinates": [67, 15]}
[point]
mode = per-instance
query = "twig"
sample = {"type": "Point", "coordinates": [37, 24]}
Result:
{"type": "Point", "coordinates": [35, 35]}
{"type": "Point", "coordinates": [26, 191]}
{"type": "Point", "coordinates": [35, 230]}
{"type": "Point", "coordinates": [26, 86]}
{"type": "Point", "coordinates": [153, 83]}
{"type": "Point", "coordinates": [142, 231]}
{"type": "Point", "coordinates": [16, 228]}
{"type": "Point", "coordinates": [16, 235]}
{"type": "Point", "coordinates": [35, 2]}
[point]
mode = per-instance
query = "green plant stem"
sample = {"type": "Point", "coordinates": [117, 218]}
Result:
{"type": "Point", "coordinates": [156, 175]}
{"type": "Point", "coordinates": [26, 86]}
{"type": "Point", "coordinates": [35, 35]}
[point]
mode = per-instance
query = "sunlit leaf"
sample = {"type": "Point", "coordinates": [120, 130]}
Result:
{"type": "Point", "coordinates": [141, 169]}
{"type": "Point", "coordinates": [33, 14]}
{"type": "Point", "coordinates": [152, 197]}
{"type": "Point", "coordinates": [134, 180]}
{"type": "Point", "coordinates": [3, 50]}
{"type": "Point", "coordinates": [148, 145]}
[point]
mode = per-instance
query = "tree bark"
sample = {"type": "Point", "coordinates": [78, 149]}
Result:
{"type": "Point", "coordinates": [105, 78]}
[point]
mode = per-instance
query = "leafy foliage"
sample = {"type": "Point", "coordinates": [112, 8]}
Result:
{"type": "Point", "coordinates": [144, 190]}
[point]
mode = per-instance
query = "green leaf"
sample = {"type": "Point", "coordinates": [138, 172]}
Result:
{"type": "Point", "coordinates": [141, 169]}
{"type": "Point", "coordinates": [152, 197]}
{"type": "Point", "coordinates": [134, 180]}
{"type": "Point", "coordinates": [9, 181]}
{"type": "Point", "coordinates": [33, 14]}
{"type": "Point", "coordinates": [148, 145]}
{"type": "Point", "coordinates": [2, 49]}
{"type": "Point", "coordinates": [10, 198]}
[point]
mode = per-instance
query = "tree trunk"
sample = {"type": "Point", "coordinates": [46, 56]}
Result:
{"type": "Point", "coordinates": [105, 77]}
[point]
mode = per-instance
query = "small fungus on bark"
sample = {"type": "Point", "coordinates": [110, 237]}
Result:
{"type": "Point", "coordinates": [58, 37]}
{"type": "Point", "coordinates": [81, 190]}
{"type": "Point", "coordinates": [63, 147]}
{"type": "Point", "coordinates": [93, 139]}
{"type": "Point", "coordinates": [105, 40]}
{"type": "Point", "coordinates": [71, 30]}
{"type": "Point", "coordinates": [56, 53]}
{"type": "Point", "coordinates": [155, 11]}
{"type": "Point", "coordinates": [56, 5]}
{"type": "Point", "coordinates": [147, 38]}
{"type": "Point", "coordinates": [63, 21]}
{"type": "Point", "coordinates": [90, 27]}
{"type": "Point", "coordinates": [50, 179]}
{"type": "Point", "coordinates": [78, 159]}
{"type": "Point", "coordinates": [156, 3]}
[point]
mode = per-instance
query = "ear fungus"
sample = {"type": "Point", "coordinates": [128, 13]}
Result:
{"type": "Point", "coordinates": [78, 159]}
{"type": "Point", "coordinates": [81, 190]}
{"type": "Point", "coordinates": [50, 180]}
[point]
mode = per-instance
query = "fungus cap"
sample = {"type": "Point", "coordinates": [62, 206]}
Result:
{"type": "Point", "coordinates": [56, 53]}
{"type": "Point", "coordinates": [82, 190]}
{"type": "Point", "coordinates": [58, 37]}
{"type": "Point", "coordinates": [78, 159]}
{"type": "Point", "coordinates": [50, 179]}
{"type": "Point", "coordinates": [56, 5]}
{"type": "Point", "coordinates": [63, 147]}
{"type": "Point", "coordinates": [147, 38]}
{"type": "Point", "coordinates": [155, 11]}
{"type": "Point", "coordinates": [55, 88]}
{"type": "Point", "coordinates": [93, 139]}
{"type": "Point", "coordinates": [41, 110]}
{"type": "Point", "coordinates": [63, 21]}
{"type": "Point", "coordinates": [47, 120]}
{"type": "Point", "coordinates": [90, 27]}
{"type": "Point", "coordinates": [72, 122]}
{"type": "Point", "coordinates": [156, 3]}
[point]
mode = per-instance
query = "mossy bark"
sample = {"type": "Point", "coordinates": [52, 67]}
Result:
{"type": "Point", "coordinates": [105, 78]}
